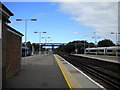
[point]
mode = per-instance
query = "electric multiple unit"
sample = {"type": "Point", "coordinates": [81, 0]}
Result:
{"type": "Point", "coordinates": [114, 50]}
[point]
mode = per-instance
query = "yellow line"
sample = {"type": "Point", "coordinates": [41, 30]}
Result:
{"type": "Point", "coordinates": [63, 73]}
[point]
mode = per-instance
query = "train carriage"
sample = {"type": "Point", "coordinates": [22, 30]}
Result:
{"type": "Point", "coordinates": [101, 50]}
{"type": "Point", "coordinates": [114, 50]}
{"type": "Point", "coordinates": [91, 51]}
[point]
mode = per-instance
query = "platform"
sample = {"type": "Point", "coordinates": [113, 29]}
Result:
{"type": "Point", "coordinates": [114, 59]}
{"type": "Point", "coordinates": [39, 71]}
{"type": "Point", "coordinates": [75, 77]}
{"type": "Point", "coordinates": [50, 71]}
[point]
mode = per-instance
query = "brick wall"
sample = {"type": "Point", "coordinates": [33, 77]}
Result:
{"type": "Point", "coordinates": [11, 46]}
{"type": "Point", "coordinates": [11, 53]}
{"type": "Point", "coordinates": [13, 58]}
{"type": "Point", "coordinates": [3, 52]}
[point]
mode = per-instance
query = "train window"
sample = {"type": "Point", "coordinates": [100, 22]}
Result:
{"type": "Point", "coordinates": [92, 50]}
{"type": "Point", "coordinates": [118, 50]}
{"type": "Point", "coordinates": [86, 50]}
{"type": "Point", "coordinates": [109, 50]}
{"type": "Point", "coordinates": [101, 50]}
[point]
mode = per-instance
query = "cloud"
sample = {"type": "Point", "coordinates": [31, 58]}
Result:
{"type": "Point", "coordinates": [76, 32]}
{"type": "Point", "coordinates": [38, 15]}
{"type": "Point", "coordinates": [101, 16]}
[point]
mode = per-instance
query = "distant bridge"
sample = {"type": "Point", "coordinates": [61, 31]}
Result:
{"type": "Point", "coordinates": [51, 44]}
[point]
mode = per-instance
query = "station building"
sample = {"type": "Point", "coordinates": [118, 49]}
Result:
{"type": "Point", "coordinates": [10, 41]}
{"type": "Point", "coordinates": [0, 63]}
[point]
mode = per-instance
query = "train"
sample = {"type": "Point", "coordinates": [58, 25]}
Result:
{"type": "Point", "coordinates": [113, 50]}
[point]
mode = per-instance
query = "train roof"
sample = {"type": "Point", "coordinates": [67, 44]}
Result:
{"type": "Point", "coordinates": [96, 48]}
{"type": "Point", "coordinates": [104, 47]}
{"type": "Point", "coordinates": [113, 47]}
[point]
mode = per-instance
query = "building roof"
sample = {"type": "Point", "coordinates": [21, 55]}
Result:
{"type": "Point", "coordinates": [12, 29]}
{"type": "Point", "coordinates": [4, 8]}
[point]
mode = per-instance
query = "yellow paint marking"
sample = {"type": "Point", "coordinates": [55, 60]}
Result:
{"type": "Point", "coordinates": [71, 81]}
{"type": "Point", "coordinates": [63, 73]}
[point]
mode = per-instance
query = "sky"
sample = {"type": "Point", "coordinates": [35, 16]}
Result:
{"type": "Point", "coordinates": [65, 21]}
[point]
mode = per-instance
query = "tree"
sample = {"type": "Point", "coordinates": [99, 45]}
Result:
{"type": "Point", "coordinates": [105, 43]}
{"type": "Point", "coordinates": [72, 46]}
{"type": "Point", "coordinates": [91, 45]}
{"type": "Point", "coordinates": [29, 45]}
{"type": "Point", "coordinates": [23, 44]}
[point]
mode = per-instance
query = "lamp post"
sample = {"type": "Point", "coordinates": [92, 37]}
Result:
{"type": "Point", "coordinates": [49, 40]}
{"type": "Point", "coordinates": [95, 38]}
{"type": "Point", "coordinates": [116, 41]}
{"type": "Point", "coordinates": [46, 40]}
{"type": "Point", "coordinates": [26, 20]}
{"type": "Point", "coordinates": [116, 37]}
{"type": "Point", "coordinates": [84, 45]}
{"type": "Point", "coordinates": [49, 50]}
{"type": "Point", "coordinates": [39, 40]}
{"type": "Point", "coordinates": [76, 51]}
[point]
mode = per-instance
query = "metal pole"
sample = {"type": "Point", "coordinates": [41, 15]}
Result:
{"type": "Point", "coordinates": [25, 37]}
{"type": "Point", "coordinates": [116, 39]}
{"type": "Point", "coordinates": [116, 45]}
{"type": "Point", "coordinates": [45, 44]}
{"type": "Point", "coordinates": [39, 42]}
{"type": "Point", "coordinates": [95, 39]}
{"type": "Point", "coordinates": [84, 47]}
{"type": "Point", "coordinates": [75, 48]}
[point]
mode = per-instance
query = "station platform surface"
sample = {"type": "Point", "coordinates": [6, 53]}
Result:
{"type": "Point", "coordinates": [75, 77]}
{"type": "Point", "coordinates": [115, 59]}
{"type": "Point", "coordinates": [39, 71]}
{"type": "Point", "coordinates": [50, 71]}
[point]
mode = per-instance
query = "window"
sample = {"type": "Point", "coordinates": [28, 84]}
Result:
{"type": "Point", "coordinates": [109, 50]}
{"type": "Point", "coordinates": [101, 50]}
{"type": "Point", "coordinates": [93, 50]}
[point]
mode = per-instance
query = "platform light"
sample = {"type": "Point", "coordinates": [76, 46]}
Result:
{"type": "Point", "coordinates": [26, 28]}
{"type": "Point", "coordinates": [33, 19]}
{"type": "Point", "coordinates": [40, 40]}
{"type": "Point", "coordinates": [18, 19]}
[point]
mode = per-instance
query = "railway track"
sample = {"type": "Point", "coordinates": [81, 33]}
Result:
{"type": "Point", "coordinates": [104, 77]}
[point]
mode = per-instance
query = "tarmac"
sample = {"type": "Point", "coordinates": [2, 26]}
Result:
{"type": "Point", "coordinates": [38, 72]}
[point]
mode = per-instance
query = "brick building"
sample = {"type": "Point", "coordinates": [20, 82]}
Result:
{"type": "Point", "coordinates": [11, 46]}
{"type": "Point", "coordinates": [0, 63]}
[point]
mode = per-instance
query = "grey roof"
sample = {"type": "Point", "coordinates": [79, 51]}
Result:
{"type": "Point", "coordinates": [3, 7]}
{"type": "Point", "coordinates": [14, 30]}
